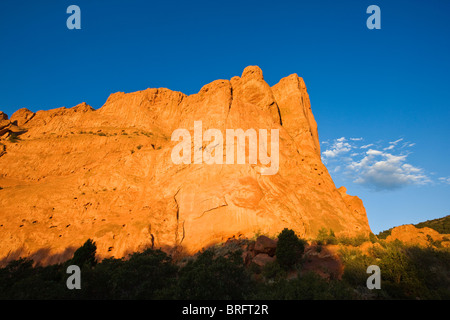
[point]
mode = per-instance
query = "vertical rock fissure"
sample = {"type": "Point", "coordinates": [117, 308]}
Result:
{"type": "Point", "coordinates": [177, 216]}
{"type": "Point", "coordinates": [184, 233]}
{"type": "Point", "coordinates": [279, 114]}
{"type": "Point", "coordinates": [231, 100]}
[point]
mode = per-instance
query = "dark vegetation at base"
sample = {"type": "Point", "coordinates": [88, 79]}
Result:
{"type": "Point", "coordinates": [441, 225]}
{"type": "Point", "coordinates": [220, 273]}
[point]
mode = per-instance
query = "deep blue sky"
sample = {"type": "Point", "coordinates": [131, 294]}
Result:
{"type": "Point", "coordinates": [378, 85]}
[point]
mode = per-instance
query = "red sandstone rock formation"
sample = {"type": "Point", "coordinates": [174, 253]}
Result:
{"type": "Point", "coordinates": [424, 237]}
{"type": "Point", "coordinates": [107, 174]}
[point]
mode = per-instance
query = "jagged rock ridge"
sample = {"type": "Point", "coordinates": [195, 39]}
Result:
{"type": "Point", "coordinates": [107, 174]}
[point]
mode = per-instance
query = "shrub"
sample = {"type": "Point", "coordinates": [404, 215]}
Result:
{"type": "Point", "coordinates": [143, 276]}
{"type": "Point", "coordinates": [406, 273]}
{"type": "Point", "coordinates": [326, 237]}
{"type": "Point", "coordinates": [384, 234]}
{"type": "Point", "coordinates": [399, 275]}
{"type": "Point", "coordinates": [353, 241]}
{"type": "Point", "coordinates": [211, 277]}
{"type": "Point", "coordinates": [289, 248]}
{"type": "Point", "coordinates": [273, 271]}
{"type": "Point", "coordinates": [441, 225]}
{"type": "Point", "coordinates": [309, 286]}
{"type": "Point", "coordinates": [20, 280]}
{"type": "Point", "coordinates": [356, 264]}
{"type": "Point", "coordinates": [432, 269]}
{"type": "Point", "coordinates": [85, 255]}
{"type": "Point", "coordinates": [373, 238]}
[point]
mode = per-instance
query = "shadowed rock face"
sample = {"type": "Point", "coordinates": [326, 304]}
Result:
{"type": "Point", "coordinates": [107, 174]}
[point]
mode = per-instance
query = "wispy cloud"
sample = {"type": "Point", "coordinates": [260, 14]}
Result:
{"type": "Point", "coordinates": [337, 148]}
{"type": "Point", "coordinates": [374, 165]}
{"type": "Point", "coordinates": [445, 180]}
{"type": "Point", "coordinates": [396, 141]}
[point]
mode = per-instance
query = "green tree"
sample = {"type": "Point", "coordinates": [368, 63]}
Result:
{"type": "Point", "coordinates": [143, 276]}
{"type": "Point", "coordinates": [289, 248]}
{"type": "Point", "coordinates": [213, 277]}
{"type": "Point", "coordinates": [85, 255]}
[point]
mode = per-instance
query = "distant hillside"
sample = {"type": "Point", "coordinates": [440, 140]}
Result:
{"type": "Point", "coordinates": [441, 225]}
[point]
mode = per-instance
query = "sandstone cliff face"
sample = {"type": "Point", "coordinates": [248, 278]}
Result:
{"type": "Point", "coordinates": [107, 174]}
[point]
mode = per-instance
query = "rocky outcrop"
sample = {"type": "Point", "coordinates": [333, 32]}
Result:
{"type": "Point", "coordinates": [4, 123]}
{"type": "Point", "coordinates": [265, 245]}
{"type": "Point", "coordinates": [3, 116]}
{"type": "Point", "coordinates": [107, 174]}
{"type": "Point", "coordinates": [424, 237]}
{"type": "Point", "coordinates": [21, 116]}
{"type": "Point", "coordinates": [8, 127]}
{"type": "Point", "coordinates": [261, 259]}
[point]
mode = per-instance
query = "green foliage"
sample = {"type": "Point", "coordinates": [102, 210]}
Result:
{"type": "Point", "coordinates": [406, 272]}
{"type": "Point", "coordinates": [441, 225]}
{"type": "Point", "coordinates": [289, 248]}
{"type": "Point", "coordinates": [20, 280]}
{"type": "Point", "coordinates": [213, 277]}
{"type": "Point", "coordinates": [353, 241]}
{"type": "Point", "coordinates": [356, 265]}
{"type": "Point", "coordinates": [398, 271]}
{"type": "Point", "coordinates": [309, 286]}
{"type": "Point", "coordinates": [85, 255]}
{"type": "Point", "coordinates": [326, 237]}
{"type": "Point", "coordinates": [273, 271]}
{"type": "Point", "coordinates": [143, 276]}
{"type": "Point", "coordinates": [219, 273]}
{"type": "Point", "coordinates": [384, 234]}
{"type": "Point", "coordinates": [373, 238]}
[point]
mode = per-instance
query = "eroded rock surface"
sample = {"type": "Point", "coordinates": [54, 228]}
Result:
{"type": "Point", "coordinates": [107, 174]}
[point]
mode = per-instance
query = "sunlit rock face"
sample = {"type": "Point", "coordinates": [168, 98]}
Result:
{"type": "Point", "coordinates": [77, 173]}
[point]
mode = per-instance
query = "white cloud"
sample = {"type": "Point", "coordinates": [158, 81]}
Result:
{"type": "Point", "coordinates": [385, 171]}
{"type": "Point", "coordinates": [378, 166]}
{"type": "Point", "coordinates": [396, 141]}
{"type": "Point", "coordinates": [445, 180]}
{"type": "Point", "coordinates": [393, 144]}
{"type": "Point", "coordinates": [372, 152]}
{"type": "Point", "coordinates": [338, 147]}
